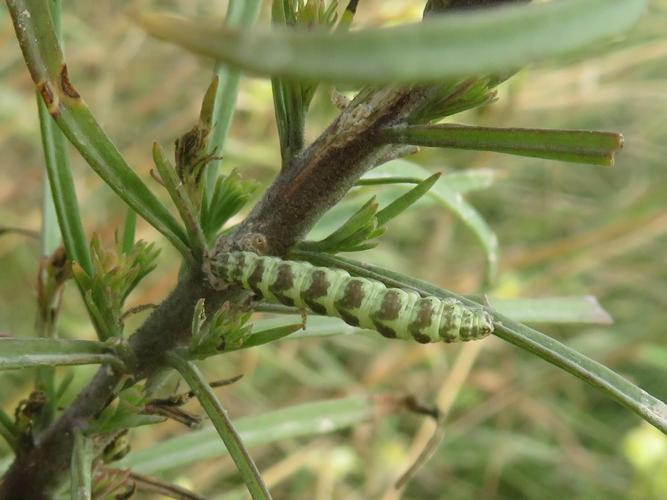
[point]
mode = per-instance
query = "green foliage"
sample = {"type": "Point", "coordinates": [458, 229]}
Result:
{"type": "Point", "coordinates": [124, 412]}
{"type": "Point", "coordinates": [239, 13]}
{"type": "Point", "coordinates": [230, 194]}
{"type": "Point", "coordinates": [454, 97]}
{"type": "Point", "coordinates": [116, 273]}
{"type": "Point", "coordinates": [181, 195]}
{"type": "Point", "coordinates": [292, 97]}
{"type": "Point", "coordinates": [447, 193]}
{"type": "Point", "coordinates": [81, 468]}
{"type": "Point", "coordinates": [645, 405]}
{"type": "Point", "coordinates": [222, 423]}
{"type": "Point", "coordinates": [368, 222]}
{"type": "Point", "coordinates": [440, 48]}
{"type": "Point", "coordinates": [225, 331]}
{"type": "Point", "coordinates": [306, 419]}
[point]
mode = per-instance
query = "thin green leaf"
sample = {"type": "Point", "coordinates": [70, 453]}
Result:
{"type": "Point", "coordinates": [240, 13]}
{"type": "Point", "coordinates": [81, 467]}
{"type": "Point", "coordinates": [53, 147]}
{"type": "Point", "coordinates": [8, 430]}
{"type": "Point", "coordinates": [359, 221]}
{"type": "Point", "coordinates": [470, 180]}
{"type": "Point", "coordinates": [385, 180]}
{"type": "Point", "coordinates": [129, 231]}
{"type": "Point", "coordinates": [184, 205]}
{"type": "Point", "coordinates": [610, 383]}
{"type": "Point", "coordinates": [309, 419]}
{"type": "Point", "coordinates": [454, 202]}
{"type": "Point", "coordinates": [23, 353]}
{"type": "Point", "coordinates": [62, 191]}
{"type": "Point", "coordinates": [81, 129]}
{"type": "Point", "coordinates": [547, 310]}
{"type": "Point", "coordinates": [396, 172]}
{"type": "Point", "coordinates": [553, 310]}
{"type": "Point", "coordinates": [63, 386]}
{"type": "Point", "coordinates": [403, 202]}
{"type": "Point", "coordinates": [50, 233]}
{"type": "Point", "coordinates": [577, 146]}
{"type": "Point", "coordinates": [57, 161]}
{"type": "Point", "coordinates": [289, 106]}
{"type": "Point", "coordinates": [445, 193]}
{"type": "Point", "coordinates": [123, 412]}
{"type": "Point", "coordinates": [453, 45]}
{"type": "Point", "coordinates": [35, 32]}
{"type": "Point", "coordinates": [269, 335]}
{"type": "Point", "coordinates": [316, 326]}
{"type": "Point", "coordinates": [223, 425]}
{"type": "Point", "coordinates": [230, 195]}
{"type": "Point", "coordinates": [348, 16]}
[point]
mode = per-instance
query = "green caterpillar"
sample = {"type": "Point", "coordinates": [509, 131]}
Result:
{"type": "Point", "coordinates": [393, 312]}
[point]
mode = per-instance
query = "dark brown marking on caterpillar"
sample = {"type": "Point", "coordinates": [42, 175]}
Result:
{"type": "Point", "coordinates": [284, 281]}
{"type": "Point", "coordinates": [256, 277]}
{"type": "Point", "coordinates": [319, 287]}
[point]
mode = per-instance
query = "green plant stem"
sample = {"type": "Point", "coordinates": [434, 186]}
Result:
{"type": "Point", "coordinates": [222, 423]}
{"type": "Point", "coordinates": [81, 468]}
{"type": "Point", "coordinates": [24, 353]}
{"type": "Point", "coordinates": [599, 376]}
{"type": "Point", "coordinates": [240, 13]}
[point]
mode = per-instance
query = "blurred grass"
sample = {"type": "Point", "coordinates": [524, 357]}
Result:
{"type": "Point", "coordinates": [517, 428]}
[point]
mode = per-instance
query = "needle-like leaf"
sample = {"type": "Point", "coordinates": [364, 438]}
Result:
{"type": "Point", "coordinates": [446, 46]}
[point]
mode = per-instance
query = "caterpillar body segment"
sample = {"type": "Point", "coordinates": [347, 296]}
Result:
{"type": "Point", "coordinates": [362, 302]}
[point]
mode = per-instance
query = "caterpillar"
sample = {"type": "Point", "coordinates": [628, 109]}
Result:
{"type": "Point", "coordinates": [393, 312]}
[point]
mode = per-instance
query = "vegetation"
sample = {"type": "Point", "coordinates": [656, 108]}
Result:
{"type": "Point", "coordinates": [332, 410]}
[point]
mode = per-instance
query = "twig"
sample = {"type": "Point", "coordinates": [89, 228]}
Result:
{"type": "Point", "coordinates": [137, 309]}
{"type": "Point", "coordinates": [155, 485]}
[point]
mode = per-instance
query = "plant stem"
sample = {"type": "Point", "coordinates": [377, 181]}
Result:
{"type": "Point", "coordinates": [223, 424]}
{"type": "Point", "coordinates": [81, 468]}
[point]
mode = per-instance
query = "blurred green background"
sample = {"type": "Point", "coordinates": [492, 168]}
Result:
{"type": "Point", "coordinates": [517, 427]}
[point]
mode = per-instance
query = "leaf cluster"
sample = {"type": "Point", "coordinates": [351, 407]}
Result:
{"type": "Point", "coordinates": [227, 330]}
{"type": "Point", "coordinates": [116, 272]}
{"type": "Point", "coordinates": [368, 223]}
